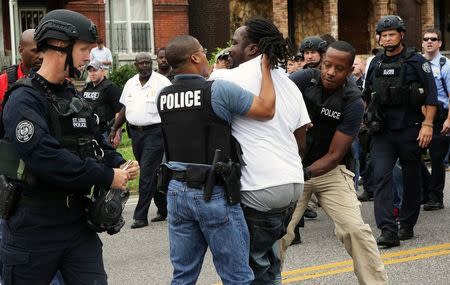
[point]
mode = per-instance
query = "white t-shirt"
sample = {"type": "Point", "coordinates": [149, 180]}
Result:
{"type": "Point", "coordinates": [140, 101]}
{"type": "Point", "coordinates": [269, 147]}
{"type": "Point", "coordinates": [101, 55]}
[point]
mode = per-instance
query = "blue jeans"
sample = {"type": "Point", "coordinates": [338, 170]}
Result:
{"type": "Point", "coordinates": [356, 148]}
{"type": "Point", "coordinates": [195, 224]}
{"type": "Point", "coordinates": [266, 229]}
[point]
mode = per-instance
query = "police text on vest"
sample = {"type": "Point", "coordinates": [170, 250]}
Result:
{"type": "Point", "coordinates": [330, 113]}
{"type": "Point", "coordinates": [180, 100]}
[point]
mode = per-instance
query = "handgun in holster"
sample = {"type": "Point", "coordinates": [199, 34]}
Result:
{"type": "Point", "coordinates": [9, 196]}
{"type": "Point", "coordinates": [231, 175]}
{"type": "Point", "coordinates": [163, 178]}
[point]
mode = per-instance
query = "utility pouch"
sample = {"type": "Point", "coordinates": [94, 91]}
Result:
{"type": "Point", "coordinates": [9, 196]}
{"type": "Point", "coordinates": [417, 94]}
{"type": "Point", "coordinates": [196, 176]}
{"type": "Point", "coordinates": [163, 178]}
{"type": "Point", "coordinates": [232, 182]}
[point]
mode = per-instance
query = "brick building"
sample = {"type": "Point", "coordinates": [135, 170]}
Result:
{"type": "Point", "coordinates": [350, 20]}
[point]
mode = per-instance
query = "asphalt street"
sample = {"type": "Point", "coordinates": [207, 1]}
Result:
{"type": "Point", "coordinates": [141, 256]}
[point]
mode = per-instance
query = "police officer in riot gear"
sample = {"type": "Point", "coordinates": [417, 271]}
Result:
{"type": "Point", "coordinates": [102, 95]}
{"type": "Point", "coordinates": [312, 49]}
{"type": "Point", "coordinates": [399, 82]}
{"type": "Point", "coordinates": [195, 118]}
{"type": "Point", "coordinates": [52, 130]}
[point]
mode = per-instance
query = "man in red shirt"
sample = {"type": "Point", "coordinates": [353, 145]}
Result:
{"type": "Point", "coordinates": [30, 58]}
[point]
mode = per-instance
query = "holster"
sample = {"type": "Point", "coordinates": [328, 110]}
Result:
{"type": "Point", "coordinates": [164, 176]}
{"type": "Point", "coordinates": [9, 196]}
{"type": "Point", "coordinates": [232, 182]}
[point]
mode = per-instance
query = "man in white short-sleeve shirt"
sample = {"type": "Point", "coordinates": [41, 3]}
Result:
{"type": "Point", "coordinates": [102, 54]}
{"type": "Point", "coordinates": [144, 127]}
{"type": "Point", "coordinates": [272, 179]}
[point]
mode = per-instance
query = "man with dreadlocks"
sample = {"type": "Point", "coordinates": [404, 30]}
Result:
{"type": "Point", "coordinates": [272, 179]}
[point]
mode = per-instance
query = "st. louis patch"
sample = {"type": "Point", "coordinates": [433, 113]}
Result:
{"type": "Point", "coordinates": [24, 131]}
{"type": "Point", "coordinates": [426, 67]}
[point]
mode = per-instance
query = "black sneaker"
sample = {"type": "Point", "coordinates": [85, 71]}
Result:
{"type": "Point", "coordinates": [388, 239]}
{"type": "Point", "coordinates": [433, 206]}
{"type": "Point", "coordinates": [405, 233]}
{"type": "Point", "coordinates": [365, 196]}
{"type": "Point", "coordinates": [310, 214]}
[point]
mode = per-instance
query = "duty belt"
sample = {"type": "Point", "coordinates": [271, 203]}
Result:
{"type": "Point", "coordinates": [69, 201]}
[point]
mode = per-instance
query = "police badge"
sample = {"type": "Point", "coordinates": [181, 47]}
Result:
{"type": "Point", "coordinates": [426, 67]}
{"type": "Point", "coordinates": [24, 131]}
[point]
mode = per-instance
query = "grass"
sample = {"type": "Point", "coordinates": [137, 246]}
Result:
{"type": "Point", "coordinates": [127, 153]}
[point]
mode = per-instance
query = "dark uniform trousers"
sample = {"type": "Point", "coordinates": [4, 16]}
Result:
{"type": "Point", "coordinates": [148, 149]}
{"type": "Point", "coordinates": [37, 240]}
{"type": "Point", "coordinates": [387, 146]}
{"type": "Point", "coordinates": [434, 189]}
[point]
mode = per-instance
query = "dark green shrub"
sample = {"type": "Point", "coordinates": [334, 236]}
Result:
{"type": "Point", "coordinates": [121, 75]}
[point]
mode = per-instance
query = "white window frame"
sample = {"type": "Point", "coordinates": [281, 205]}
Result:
{"type": "Point", "coordinates": [129, 23]}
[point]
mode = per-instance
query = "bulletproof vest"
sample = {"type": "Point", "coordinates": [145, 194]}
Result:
{"type": "Point", "coordinates": [325, 114]}
{"type": "Point", "coordinates": [191, 130]}
{"type": "Point", "coordinates": [72, 121]}
{"type": "Point", "coordinates": [388, 83]}
{"type": "Point", "coordinates": [96, 98]}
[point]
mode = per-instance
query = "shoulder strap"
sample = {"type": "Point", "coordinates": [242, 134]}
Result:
{"type": "Point", "coordinates": [442, 62]}
{"type": "Point", "coordinates": [11, 73]}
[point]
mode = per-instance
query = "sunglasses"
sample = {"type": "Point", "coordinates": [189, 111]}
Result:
{"type": "Point", "coordinates": [432, 39]}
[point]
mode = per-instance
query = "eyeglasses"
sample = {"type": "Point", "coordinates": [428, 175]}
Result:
{"type": "Point", "coordinates": [432, 39]}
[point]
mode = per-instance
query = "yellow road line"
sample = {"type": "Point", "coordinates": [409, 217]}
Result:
{"type": "Point", "coordinates": [347, 265]}
{"type": "Point", "coordinates": [389, 258]}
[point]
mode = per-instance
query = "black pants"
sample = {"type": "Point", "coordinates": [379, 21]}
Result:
{"type": "Point", "coordinates": [148, 150]}
{"type": "Point", "coordinates": [386, 147]}
{"type": "Point", "coordinates": [434, 190]}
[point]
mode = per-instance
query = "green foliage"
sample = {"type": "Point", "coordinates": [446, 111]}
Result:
{"type": "Point", "coordinates": [127, 153]}
{"type": "Point", "coordinates": [212, 60]}
{"type": "Point", "coordinates": [121, 75]}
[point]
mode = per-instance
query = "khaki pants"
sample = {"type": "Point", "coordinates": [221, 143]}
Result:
{"type": "Point", "coordinates": [336, 194]}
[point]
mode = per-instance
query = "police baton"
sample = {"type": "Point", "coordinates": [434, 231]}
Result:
{"type": "Point", "coordinates": [211, 180]}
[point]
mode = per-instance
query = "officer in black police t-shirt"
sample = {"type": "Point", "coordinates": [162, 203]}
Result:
{"type": "Point", "coordinates": [102, 95]}
{"type": "Point", "coordinates": [52, 130]}
{"type": "Point", "coordinates": [398, 83]}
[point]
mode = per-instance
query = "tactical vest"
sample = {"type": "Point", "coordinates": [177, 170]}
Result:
{"type": "Point", "coordinates": [96, 98]}
{"type": "Point", "coordinates": [191, 130]}
{"type": "Point", "coordinates": [11, 73]}
{"type": "Point", "coordinates": [388, 83]}
{"type": "Point", "coordinates": [326, 115]}
{"type": "Point", "coordinates": [72, 121]}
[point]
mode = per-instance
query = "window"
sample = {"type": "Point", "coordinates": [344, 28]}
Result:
{"type": "Point", "coordinates": [131, 31]}
{"type": "Point", "coordinates": [30, 17]}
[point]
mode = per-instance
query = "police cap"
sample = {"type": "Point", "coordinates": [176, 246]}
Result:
{"type": "Point", "coordinates": [313, 43]}
{"type": "Point", "coordinates": [390, 22]}
{"type": "Point", "coordinates": [65, 25]}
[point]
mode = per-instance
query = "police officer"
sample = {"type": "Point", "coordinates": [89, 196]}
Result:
{"type": "Point", "coordinates": [52, 128]}
{"type": "Point", "coordinates": [312, 49]}
{"type": "Point", "coordinates": [399, 81]}
{"type": "Point", "coordinates": [195, 117]}
{"type": "Point", "coordinates": [336, 109]}
{"type": "Point", "coordinates": [102, 95]}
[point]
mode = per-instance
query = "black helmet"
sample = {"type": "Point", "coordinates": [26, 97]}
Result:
{"type": "Point", "coordinates": [313, 43]}
{"type": "Point", "coordinates": [390, 22]}
{"type": "Point", "coordinates": [65, 25]}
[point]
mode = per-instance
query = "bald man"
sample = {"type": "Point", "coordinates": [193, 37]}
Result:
{"type": "Point", "coordinates": [30, 58]}
{"type": "Point", "coordinates": [144, 126]}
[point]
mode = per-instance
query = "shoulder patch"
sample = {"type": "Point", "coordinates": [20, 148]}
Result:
{"type": "Point", "coordinates": [426, 67]}
{"type": "Point", "coordinates": [24, 131]}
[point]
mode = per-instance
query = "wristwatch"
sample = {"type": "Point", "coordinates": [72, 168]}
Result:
{"type": "Point", "coordinates": [307, 174]}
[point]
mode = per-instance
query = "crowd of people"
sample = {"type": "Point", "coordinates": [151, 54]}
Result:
{"type": "Point", "coordinates": [234, 156]}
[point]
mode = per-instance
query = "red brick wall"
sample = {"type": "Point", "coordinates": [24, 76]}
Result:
{"type": "Point", "coordinates": [170, 18]}
{"type": "Point", "coordinates": [93, 9]}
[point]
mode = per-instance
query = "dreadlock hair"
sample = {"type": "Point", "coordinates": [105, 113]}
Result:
{"type": "Point", "coordinates": [269, 40]}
